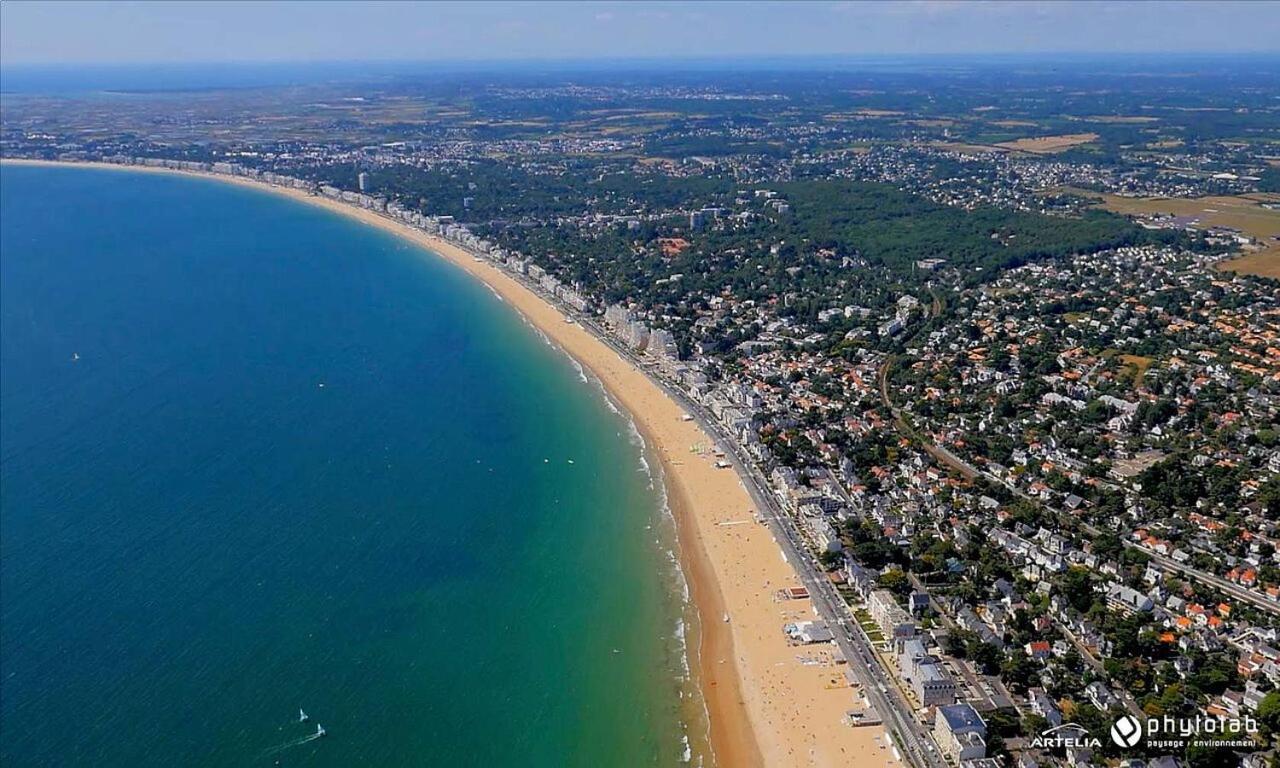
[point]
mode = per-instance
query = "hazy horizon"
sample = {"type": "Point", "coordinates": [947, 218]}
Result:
{"type": "Point", "coordinates": [127, 33]}
{"type": "Point", "coordinates": [121, 77]}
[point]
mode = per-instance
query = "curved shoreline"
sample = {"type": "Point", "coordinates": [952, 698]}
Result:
{"type": "Point", "coordinates": [764, 703]}
{"type": "Point", "coordinates": [731, 740]}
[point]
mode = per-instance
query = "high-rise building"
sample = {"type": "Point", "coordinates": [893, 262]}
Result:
{"type": "Point", "coordinates": [363, 181]}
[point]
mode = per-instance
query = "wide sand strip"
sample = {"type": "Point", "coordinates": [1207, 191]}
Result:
{"type": "Point", "coordinates": [768, 703]}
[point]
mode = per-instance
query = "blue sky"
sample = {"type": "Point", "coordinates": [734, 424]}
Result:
{"type": "Point", "coordinates": [144, 32]}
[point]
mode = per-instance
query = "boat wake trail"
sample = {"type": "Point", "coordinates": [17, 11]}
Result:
{"type": "Point", "coordinates": [291, 744]}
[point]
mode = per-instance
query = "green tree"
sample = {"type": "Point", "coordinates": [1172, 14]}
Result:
{"type": "Point", "coordinates": [1269, 712]}
{"type": "Point", "coordinates": [896, 582]}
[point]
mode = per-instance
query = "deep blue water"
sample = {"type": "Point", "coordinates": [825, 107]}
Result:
{"type": "Point", "coordinates": [255, 456]}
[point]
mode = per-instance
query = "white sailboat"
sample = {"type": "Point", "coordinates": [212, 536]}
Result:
{"type": "Point", "coordinates": [302, 716]}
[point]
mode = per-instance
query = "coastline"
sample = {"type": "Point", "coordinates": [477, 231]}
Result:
{"type": "Point", "coordinates": [766, 705]}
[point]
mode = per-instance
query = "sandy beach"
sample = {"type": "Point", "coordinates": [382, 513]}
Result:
{"type": "Point", "coordinates": [768, 703]}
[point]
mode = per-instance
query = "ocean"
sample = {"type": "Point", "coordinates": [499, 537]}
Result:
{"type": "Point", "coordinates": [256, 457]}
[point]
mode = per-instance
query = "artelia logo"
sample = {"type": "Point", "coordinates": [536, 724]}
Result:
{"type": "Point", "coordinates": [1127, 731]}
{"type": "Point", "coordinates": [1065, 736]}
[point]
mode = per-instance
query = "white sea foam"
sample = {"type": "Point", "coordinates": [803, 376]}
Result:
{"type": "Point", "coordinates": [577, 366]}
{"type": "Point", "coordinates": [633, 434]}
{"type": "Point", "coordinates": [669, 535]}
{"type": "Point", "coordinates": [681, 645]}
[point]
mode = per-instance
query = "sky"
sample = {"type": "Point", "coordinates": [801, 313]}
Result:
{"type": "Point", "coordinates": [303, 31]}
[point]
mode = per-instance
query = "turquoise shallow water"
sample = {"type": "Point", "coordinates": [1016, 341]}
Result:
{"type": "Point", "coordinates": [255, 457]}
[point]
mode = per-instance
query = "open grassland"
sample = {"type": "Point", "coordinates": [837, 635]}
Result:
{"type": "Point", "coordinates": [862, 114]}
{"type": "Point", "coordinates": [1042, 145]}
{"type": "Point", "coordinates": [1264, 263]}
{"type": "Point", "coordinates": [1136, 367]}
{"type": "Point", "coordinates": [1244, 213]}
{"type": "Point", "coordinates": [1119, 119]}
{"type": "Point", "coordinates": [967, 149]}
{"type": "Point", "coordinates": [1132, 367]}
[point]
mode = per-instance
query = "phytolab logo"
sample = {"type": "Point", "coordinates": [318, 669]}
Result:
{"type": "Point", "coordinates": [1126, 732]}
{"type": "Point", "coordinates": [1169, 732]}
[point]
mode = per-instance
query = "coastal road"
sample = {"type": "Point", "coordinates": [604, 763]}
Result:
{"type": "Point", "coordinates": [909, 735]}
{"type": "Point", "coordinates": [879, 687]}
{"type": "Point", "coordinates": [913, 739]}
